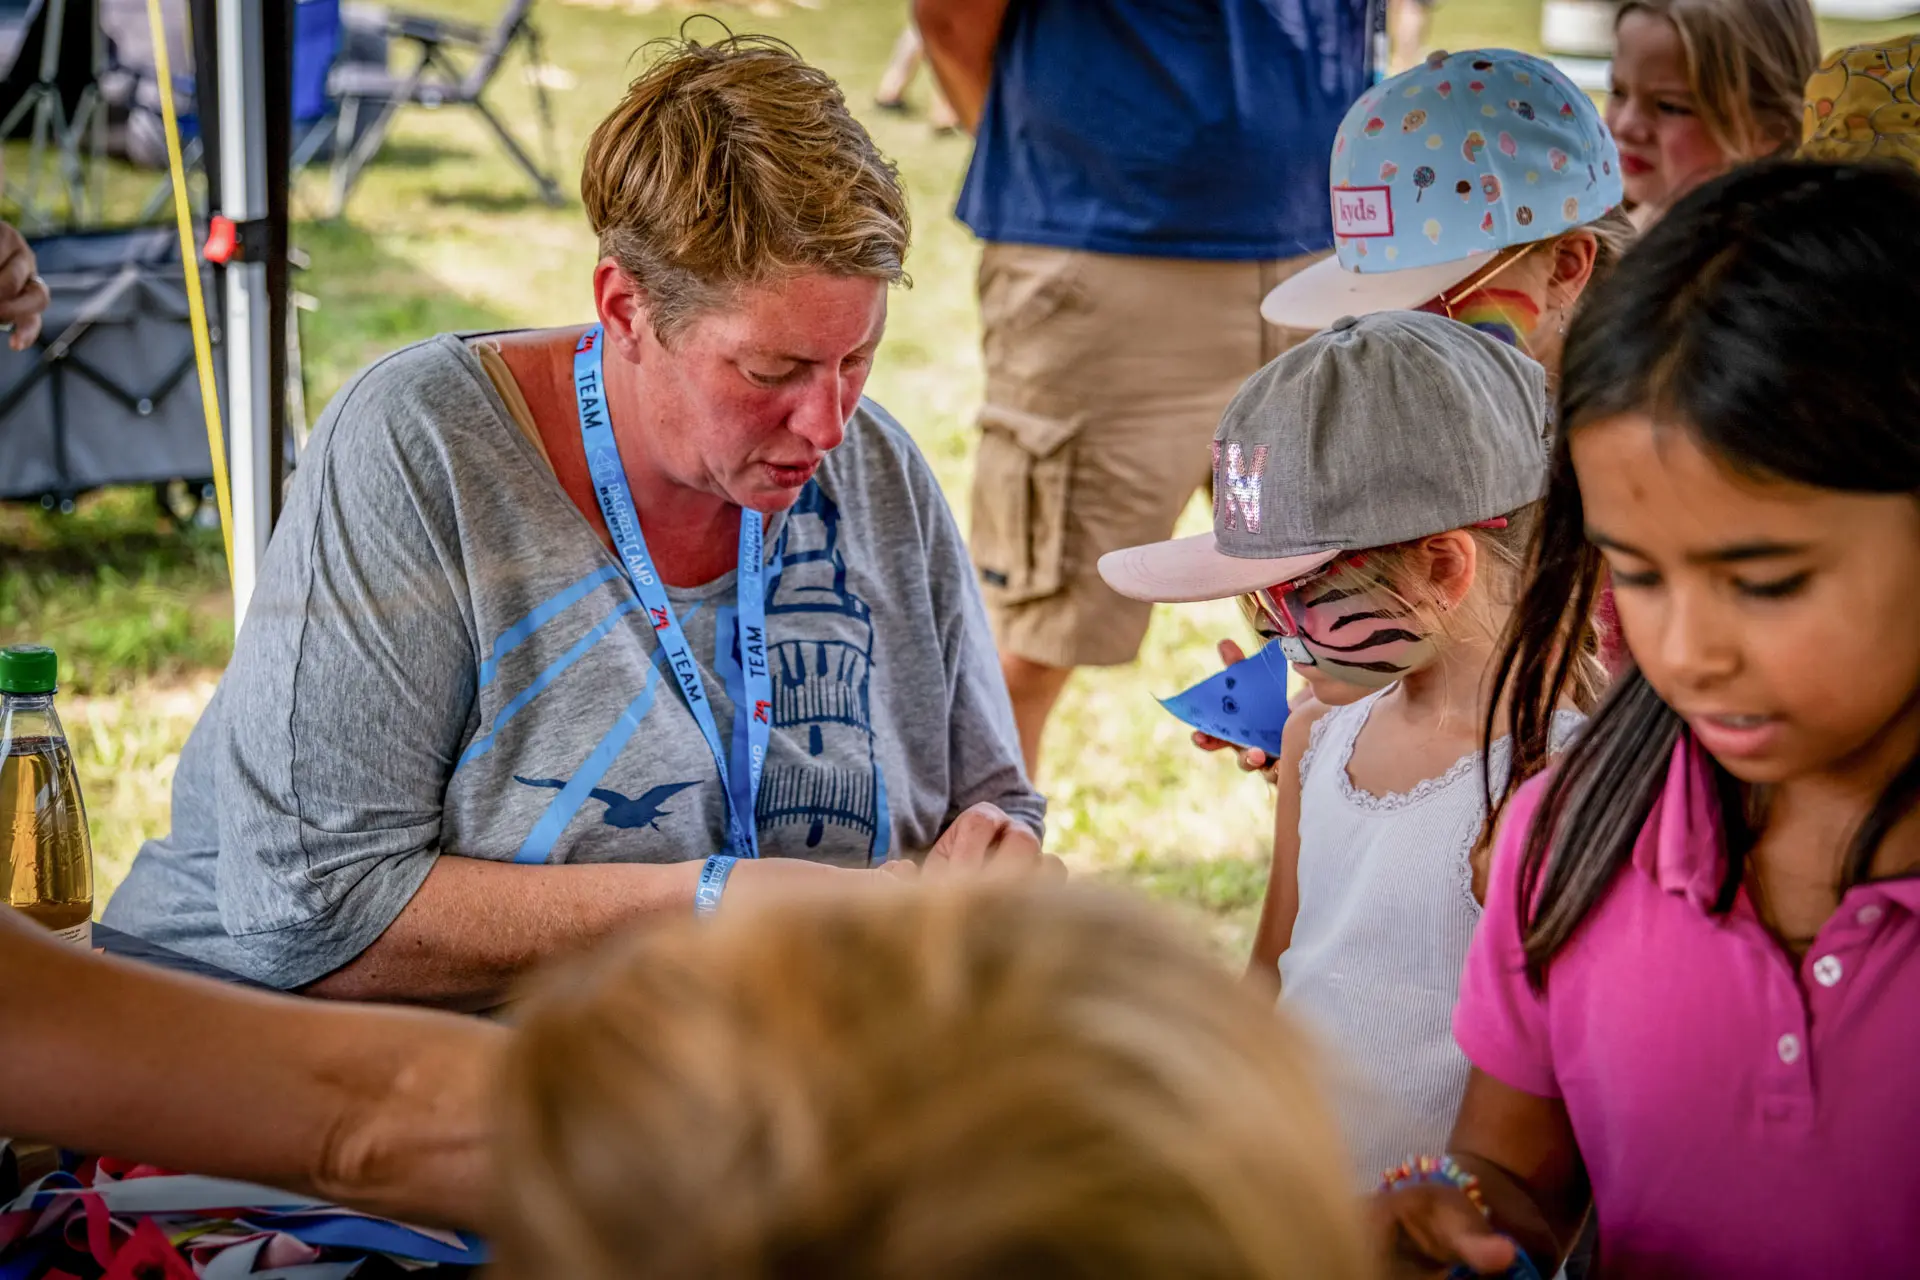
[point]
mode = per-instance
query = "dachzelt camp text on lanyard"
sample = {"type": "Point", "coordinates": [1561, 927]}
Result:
{"type": "Point", "coordinates": [623, 522]}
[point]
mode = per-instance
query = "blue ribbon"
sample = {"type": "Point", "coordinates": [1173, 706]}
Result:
{"type": "Point", "coordinates": [623, 522]}
{"type": "Point", "coordinates": [1522, 1269]}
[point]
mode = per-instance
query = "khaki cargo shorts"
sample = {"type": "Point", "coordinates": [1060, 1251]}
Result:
{"type": "Point", "coordinates": [1106, 376]}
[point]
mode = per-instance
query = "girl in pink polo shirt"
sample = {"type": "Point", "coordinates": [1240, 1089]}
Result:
{"type": "Point", "coordinates": [1693, 1004]}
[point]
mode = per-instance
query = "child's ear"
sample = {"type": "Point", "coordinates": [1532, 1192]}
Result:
{"type": "Point", "coordinates": [1573, 257]}
{"type": "Point", "coordinates": [1452, 561]}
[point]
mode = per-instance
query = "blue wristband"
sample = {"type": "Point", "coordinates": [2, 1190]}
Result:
{"type": "Point", "coordinates": [713, 883]}
{"type": "Point", "coordinates": [1522, 1269]}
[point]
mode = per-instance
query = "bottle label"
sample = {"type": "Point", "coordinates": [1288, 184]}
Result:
{"type": "Point", "coordinates": [81, 935]}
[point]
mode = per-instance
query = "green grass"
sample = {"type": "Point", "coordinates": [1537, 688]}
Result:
{"type": "Point", "coordinates": [444, 234]}
{"type": "Point", "coordinates": [123, 595]}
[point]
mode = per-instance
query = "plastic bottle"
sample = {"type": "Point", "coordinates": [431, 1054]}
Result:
{"type": "Point", "coordinates": [46, 856]}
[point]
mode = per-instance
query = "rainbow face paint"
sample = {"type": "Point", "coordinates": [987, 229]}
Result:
{"type": "Point", "coordinates": [1347, 624]}
{"type": "Point", "coordinates": [1506, 314]}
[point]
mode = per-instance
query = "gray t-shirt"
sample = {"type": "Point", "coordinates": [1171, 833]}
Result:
{"type": "Point", "coordinates": [441, 656]}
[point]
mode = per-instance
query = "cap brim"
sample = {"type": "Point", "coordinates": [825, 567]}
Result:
{"type": "Point", "coordinates": [1189, 569]}
{"type": "Point", "coordinates": [1326, 291]}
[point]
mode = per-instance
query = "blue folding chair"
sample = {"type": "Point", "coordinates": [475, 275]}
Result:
{"type": "Point", "coordinates": [370, 96]}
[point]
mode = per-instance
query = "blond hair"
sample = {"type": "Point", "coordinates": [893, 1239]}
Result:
{"type": "Point", "coordinates": [1613, 234]}
{"type": "Point", "coordinates": [733, 164]}
{"type": "Point", "coordinates": [930, 1084]}
{"type": "Point", "coordinates": [1747, 65]}
{"type": "Point", "coordinates": [1504, 557]}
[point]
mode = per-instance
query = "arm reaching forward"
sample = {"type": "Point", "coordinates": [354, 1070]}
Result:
{"type": "Point", "coordinates": [384, 1109]}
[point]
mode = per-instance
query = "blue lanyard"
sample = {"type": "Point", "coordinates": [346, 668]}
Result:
{"type": "Point", "coordinates": [623, 522]}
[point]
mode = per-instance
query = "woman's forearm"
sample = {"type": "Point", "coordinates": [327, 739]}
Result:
{"type": "Point", "coordinates": [475, 927]}
{"type": "Point", "coordinates": [381, 1108]}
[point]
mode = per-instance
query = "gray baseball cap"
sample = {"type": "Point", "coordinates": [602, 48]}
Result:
{"type": "Point", "coordinates": [1384, 429]}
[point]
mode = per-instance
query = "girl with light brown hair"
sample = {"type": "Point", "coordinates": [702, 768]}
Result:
{"type": "Point", "coordinates": [1701, 86]}
{"type": "Point", "coordinates": [938, 1084]}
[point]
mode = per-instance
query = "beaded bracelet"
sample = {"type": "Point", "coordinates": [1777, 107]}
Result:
{"type": "Point", "coordinates": [1441, 1169]}
{"type": "Point", "coordinates": [1446, 1171]}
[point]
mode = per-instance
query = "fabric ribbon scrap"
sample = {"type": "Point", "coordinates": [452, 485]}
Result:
{"type": "Point", "coordinates": [105, 1219]}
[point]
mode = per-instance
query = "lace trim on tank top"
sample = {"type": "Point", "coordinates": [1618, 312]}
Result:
{"type": "Point", "coordinates": [1352, 721]}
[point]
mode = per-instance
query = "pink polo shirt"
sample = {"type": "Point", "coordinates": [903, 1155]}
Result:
{"type": "Point", "coordinates": [1738, 1117]}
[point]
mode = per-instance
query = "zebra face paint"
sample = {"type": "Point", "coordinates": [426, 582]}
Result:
{"type": "Point", "coordinates": [1348, 625]}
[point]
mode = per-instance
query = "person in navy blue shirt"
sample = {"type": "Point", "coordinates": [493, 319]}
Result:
{"type": "Point", "coordinates": [1144, 172]}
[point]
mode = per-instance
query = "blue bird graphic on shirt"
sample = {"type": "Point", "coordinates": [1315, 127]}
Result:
{"type": "Point", "coordinates": [626, 813]}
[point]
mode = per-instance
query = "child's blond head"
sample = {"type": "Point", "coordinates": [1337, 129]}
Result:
{"type": "Point", "coordinates": [1747, 63]}
{"type": "Point", "coordinates": [929, 1084]}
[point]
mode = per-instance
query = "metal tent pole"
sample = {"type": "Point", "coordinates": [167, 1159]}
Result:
{"type": "Point", "coordinates": [276, 77]}
{"type": "Point", "coordinates": [242, 197]}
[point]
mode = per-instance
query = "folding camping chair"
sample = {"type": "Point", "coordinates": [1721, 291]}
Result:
{"type": "Point", "coordinates": [435, 80]}
{"type": "Point", "coordinates": [106, 396]}
{"type": "Point", "coordinates": [51, 92]}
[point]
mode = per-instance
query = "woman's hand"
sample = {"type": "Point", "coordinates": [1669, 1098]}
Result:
{"type": "Point", "coordinates": [982, 841]}
{"type": "Point", "coordinates": [1250, 759]}
{"type": "Point", "coordinates": [985, 841]}
{"type": "Point", "coordinates": [1432, 1229]}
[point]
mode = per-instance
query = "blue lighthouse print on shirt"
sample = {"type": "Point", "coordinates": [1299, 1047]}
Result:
{"type": "Point", "coordinates": [821, 658]}
{"type": "Point", "coordinates": [822, 773]}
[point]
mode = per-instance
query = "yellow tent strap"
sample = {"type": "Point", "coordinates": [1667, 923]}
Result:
{"type": "Point", "coordinates": [190, 261]}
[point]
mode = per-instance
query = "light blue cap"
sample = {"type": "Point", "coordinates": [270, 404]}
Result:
{"type": "Point", "coordinates": [1440, 168]}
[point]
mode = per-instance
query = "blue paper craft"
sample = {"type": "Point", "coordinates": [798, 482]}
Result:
{"type": "Point", "coordinates": [1522, 1269]}
{"type": "Point", "coordinates": [1246, 704]}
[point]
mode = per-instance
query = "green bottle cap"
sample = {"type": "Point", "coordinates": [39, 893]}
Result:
{"type": "Point", "coordinates": [28, 668]}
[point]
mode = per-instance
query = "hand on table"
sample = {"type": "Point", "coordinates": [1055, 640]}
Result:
{"type": "Point", "coordinates": [985, 841]}
{"type": "Point", "coordinates": [23, 294]}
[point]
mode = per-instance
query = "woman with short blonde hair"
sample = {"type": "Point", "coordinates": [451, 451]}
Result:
{"type": "Point", "coordinates": [568, 627]}
{"type": "Point", "coordinates": [736, 164]}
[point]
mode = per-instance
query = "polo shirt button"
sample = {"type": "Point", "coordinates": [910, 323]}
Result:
{"type": "Point", "coordinates": [1827, 970]}
{"type": "Point", "coordinates": [1789, 1047]}
{"type": "Point", "coordinates": [1869, 914]}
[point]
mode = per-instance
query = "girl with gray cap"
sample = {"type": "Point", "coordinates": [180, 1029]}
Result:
{"type": "Point", "coordinates": [1479, 185]}
{"type": "Point", "coordinates": [1375, 488]}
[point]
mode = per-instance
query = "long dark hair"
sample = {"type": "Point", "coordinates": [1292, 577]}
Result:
{"type": "Point", "coordinates": [1768, 316]}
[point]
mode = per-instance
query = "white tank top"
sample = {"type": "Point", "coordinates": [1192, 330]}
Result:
{"type": "Point", "coordinates": [1386, 912]}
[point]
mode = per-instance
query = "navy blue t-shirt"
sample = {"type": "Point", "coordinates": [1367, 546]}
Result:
{"type": "Point", "coordinates": [1166, 128]}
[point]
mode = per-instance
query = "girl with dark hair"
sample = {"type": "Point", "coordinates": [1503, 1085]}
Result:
{"type": "Point", "coordinates": [1694, 1000]}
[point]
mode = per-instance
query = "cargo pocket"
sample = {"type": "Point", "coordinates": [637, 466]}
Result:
{"type": "Point", "coordinates": [1036, 323]}
{"type": "Point", "coordinates": [1020, 489]}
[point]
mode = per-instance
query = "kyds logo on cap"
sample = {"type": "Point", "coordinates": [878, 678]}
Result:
{"type": "Point", "coordinates": [1362, 212]}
